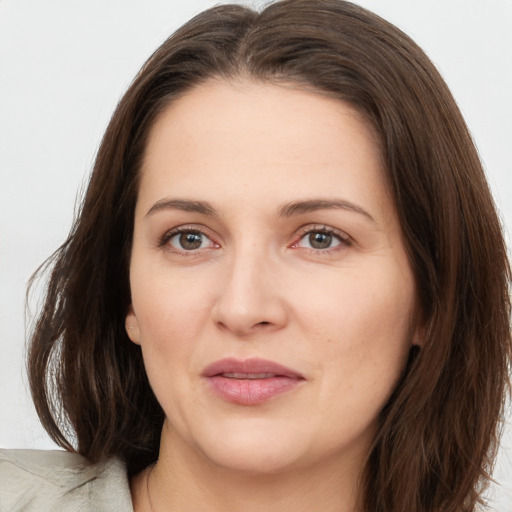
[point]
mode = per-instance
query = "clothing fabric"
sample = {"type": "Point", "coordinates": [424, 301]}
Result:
{"type": "Point", "coordinates": [58, 481]}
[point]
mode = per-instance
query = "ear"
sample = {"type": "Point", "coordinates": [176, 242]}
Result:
{"type": "Point", "coordinates": [417, 341]}
{"type": "Point", "coordinates": [132, 326]}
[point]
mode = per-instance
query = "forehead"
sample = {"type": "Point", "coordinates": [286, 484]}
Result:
{"type": "Point", "coordinates": [231, 137]}
{"type": "Point", "coordinates": [218, 107]}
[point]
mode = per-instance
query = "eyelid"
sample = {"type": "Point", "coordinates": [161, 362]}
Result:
{"type": "Point", "coordinates": [345, 239]}
{"type": "Point", "coordinates": [186, 228]}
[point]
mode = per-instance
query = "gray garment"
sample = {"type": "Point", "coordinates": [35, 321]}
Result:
{"type": "Point", "coordinates": [35, 480]}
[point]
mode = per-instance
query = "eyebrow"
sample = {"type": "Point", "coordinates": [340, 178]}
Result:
{"type": "Point", "coordinates": [311, 205]}
{"type": "Point", "coordinates": [183, 205]}
{"type": "Point", "coordinates": [287, 210]}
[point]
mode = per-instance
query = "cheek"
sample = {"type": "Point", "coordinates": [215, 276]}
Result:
{"type": "Point", "coordinates": [362, 333]}
{"type": "Point", "coordinates": [167, 298]}
{"type": "Point", "coordinates": [172, 310]}
{"type": "Point", "coordinates": [172, 313]}
{"type": "Point", "coordinates": [359, 306]}
{"type": "Point", "coordinates": [361, 325]}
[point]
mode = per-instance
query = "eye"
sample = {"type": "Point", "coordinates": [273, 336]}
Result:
{"type": "Point", "coordinates": [322, 239]}
{"type": "Point", "coordinates": [188, 240]}
{"type": "Point", "coordinates": [319, 240]}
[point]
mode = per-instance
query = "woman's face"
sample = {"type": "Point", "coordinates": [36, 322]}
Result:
{"type": "Point", "coordinates": [271, 292]}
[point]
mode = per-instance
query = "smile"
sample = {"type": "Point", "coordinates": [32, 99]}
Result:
{"type": "Point", "coordinates": [251, 381]}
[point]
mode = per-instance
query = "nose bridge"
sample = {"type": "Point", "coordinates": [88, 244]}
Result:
{"type": "Point", "coordinates": [249, 297]}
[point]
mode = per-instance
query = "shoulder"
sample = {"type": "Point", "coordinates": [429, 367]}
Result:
{"type": "Point", "coordinates": [59, 481]}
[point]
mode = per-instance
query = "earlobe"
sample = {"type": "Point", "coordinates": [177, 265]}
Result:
{"type": "Point", "coordinates": [132, 326]}
{"type": "Point", "coordinates": [416, 343]}
{"type": "Point", "coordinates": [418, 337]}
{"type": "Point", "coordinates": [417, 332]}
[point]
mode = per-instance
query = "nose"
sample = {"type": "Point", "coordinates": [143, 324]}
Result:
{"type": "Point", "coordinates": [251, 297]}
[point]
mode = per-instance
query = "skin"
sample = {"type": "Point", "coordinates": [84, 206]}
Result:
{"type": "Point", "coordinates": [341, 315]}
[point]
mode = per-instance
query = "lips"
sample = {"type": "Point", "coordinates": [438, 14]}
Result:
{"type": "Point", "coordinates": [250, 381]}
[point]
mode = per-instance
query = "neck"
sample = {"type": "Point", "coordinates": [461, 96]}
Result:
{"type": "Point", "coordinates": [185, 481]}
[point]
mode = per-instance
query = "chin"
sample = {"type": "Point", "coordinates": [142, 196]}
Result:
{"type": "Point", "coordinates": [272, 448]}
{"type": "Point", "coordinates": [253, 451]}
{"type": "Point", "coordinates": [253, 459]}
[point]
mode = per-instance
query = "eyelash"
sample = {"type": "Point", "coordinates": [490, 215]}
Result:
{"type": "Point", "coordinates": [169, 235]}
{"type": "Point", "coordinates": [343, 238]}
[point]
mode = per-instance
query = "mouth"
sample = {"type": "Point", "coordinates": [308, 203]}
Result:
{"type": "Point", "coordinates": [251, 381]}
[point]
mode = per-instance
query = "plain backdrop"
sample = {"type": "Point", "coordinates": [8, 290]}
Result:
{"type": "Point", "coordinates": [63, 67]}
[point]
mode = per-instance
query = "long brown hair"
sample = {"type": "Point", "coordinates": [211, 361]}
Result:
{"type": "Point", "coordinates": [439, 431]}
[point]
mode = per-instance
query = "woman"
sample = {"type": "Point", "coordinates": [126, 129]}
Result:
{"type": "Point", "coordinates": [287, 287]}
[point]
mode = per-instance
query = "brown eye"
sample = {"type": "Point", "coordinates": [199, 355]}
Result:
{"type": "Point", "coordinates": [323, 239]}
{"type": "Point", "coordinates": [319, 240]}
{"type": "Point", "coordinates": [189, 241]}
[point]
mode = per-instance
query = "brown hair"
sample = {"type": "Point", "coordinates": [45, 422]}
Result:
{"type": "Point", "coordinates": [439, 430]}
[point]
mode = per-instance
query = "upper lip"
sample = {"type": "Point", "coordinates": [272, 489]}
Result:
{"type": "Point", "coordinates": [248, 367]}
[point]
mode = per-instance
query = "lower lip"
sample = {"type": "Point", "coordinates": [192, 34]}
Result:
{"type": "Point", "coordinates": [251, 391]}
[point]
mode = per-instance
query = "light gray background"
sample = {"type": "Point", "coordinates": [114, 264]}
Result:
{"type": "Point", "coordinates": [63, 67]}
